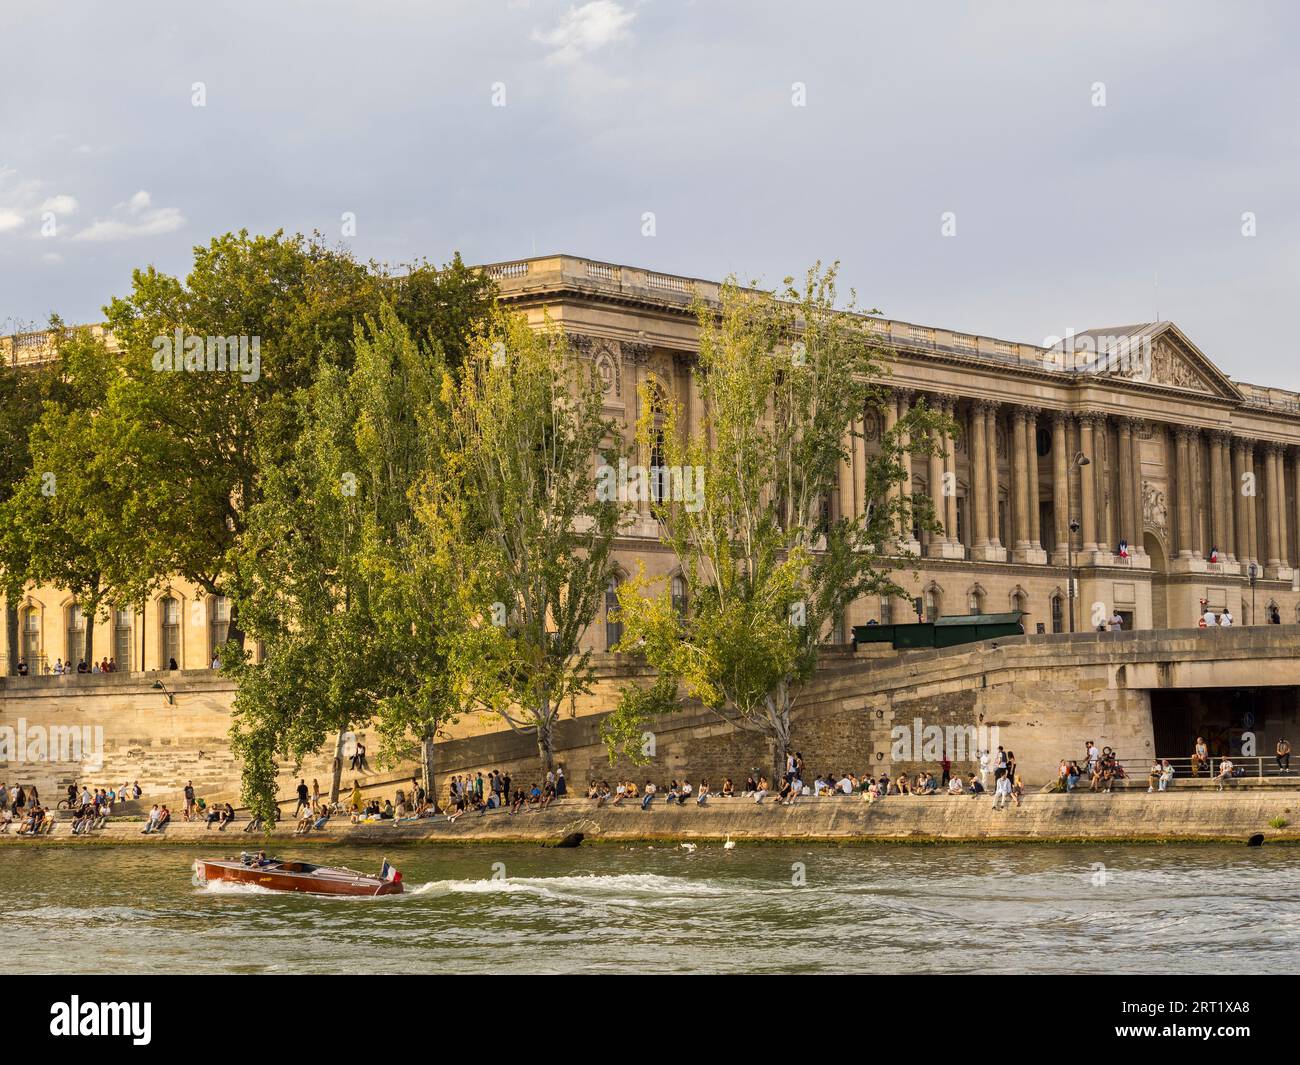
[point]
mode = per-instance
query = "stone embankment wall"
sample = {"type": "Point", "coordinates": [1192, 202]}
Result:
{"type": "Point", "coordinates": [1044, 696]}
{"type": "Point", "coordinates": [1229, 815]}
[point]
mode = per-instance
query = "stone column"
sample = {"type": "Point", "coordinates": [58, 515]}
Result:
{"type": "Point", "coordinates": [891, 420]}
{"type": "Point", "coordinates": [1276, 493]}
{"type": "Point", "coordinates": [1035, 518]}
{"type": "Point", "coordinates": [1060, 485]}
{"type": "Point", "coordinates": [938, 540]}
{"type": "Point", "coordinates": [905, 529]}
{"type": "Point", "coordinates": [950, 473]}
{"type": "Point", "coordinates": [846, 474]}
{"type": "Point", "coordinates": [1183, 473]}
{"type": "Point", "coordinates": [1020, 483]}
{"type": "Point", "coordinates": [1295, 475]}
{"type": "Point", "coordinates": [1283, 522]}
{"type": "Point", "coordinates": [1241, 518]}
{"type": "Point", "coordinates": [1218, 534]}
{"type": "Point", "coordinates": [1198, 483]}
{"type": "Point", "coordinates": [1252, 506]}
{"type": "Point", "coordinates": [1127, 523]}
{"type": "Point", "coordinates": [1139, 496]}
{"type": "Point", "coordinates": [996, 531]}
{"type": "Point", "coordinates": [860, 467]}
{"type": "Point", "coordinates": [979, 483]}
{"type": "Point", "coordinates": [1088, 499]}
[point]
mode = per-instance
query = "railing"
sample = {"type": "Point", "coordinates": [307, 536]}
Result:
{"type": "Point", "coordinates": [507, 270]}
{"type": "Point", "coordinates": [672, 284]}
{"type": "Point", "coordinates": [37, 666]}
{"type": "Point", "coordinates": [1244, 767]}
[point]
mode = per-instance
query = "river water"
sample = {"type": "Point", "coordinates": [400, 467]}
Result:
{"type": "Point", "coordinates": [667, 909]}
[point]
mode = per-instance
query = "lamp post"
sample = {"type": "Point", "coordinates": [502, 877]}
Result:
{"type": "Point", "coordinates": [1254, 576]}
{"type": "Point", "coordinates": [1080, 459]}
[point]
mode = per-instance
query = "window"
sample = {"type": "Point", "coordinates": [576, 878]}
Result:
{"type": "Point", "coordinates": [613, 628]}
{"type": "Point", "coordinates": [886, 610]}
{"type": "Point", "coordinates": [218, 625]}
{"type": "Point", "coordinates": [169, 613]}
{"type": "Point", "coordinates": [933, 603]}
{"type": "Point", "coordinates": [1058, 613]}
{"type": "Point", "coordinates": [76, 634]}
{"type": "Point", "coordinates": [975, 601]}
{"type": "Point", "coordinates": [1043, 442]}
{"type": "Point", "coordinates": [679, 595]}
{"type": "Point", "coordinates": [1020, 601]}
{"type": "Point", "coordinates": [31, 636]}
{"type": "Point", "coordinates": [122, 639]}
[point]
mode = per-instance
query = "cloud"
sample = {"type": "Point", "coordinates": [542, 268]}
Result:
{"type": "Point", "coordinates": [135, 218]}
{"type": "Point", "coordinates": [9, 219]}
{"type": "Point", "coordinates": [586, 29]}
{"type": "Point", "coordinates": [61, 204]}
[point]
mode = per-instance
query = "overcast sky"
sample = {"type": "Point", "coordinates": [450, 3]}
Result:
{"type": "Point", "coordinates": [1066, 212]}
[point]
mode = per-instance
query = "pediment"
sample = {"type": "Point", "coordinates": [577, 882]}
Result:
{"type": "Point", "coordinates": [1160, 354]}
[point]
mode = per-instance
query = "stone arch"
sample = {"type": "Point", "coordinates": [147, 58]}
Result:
{"type": "Point", "coordinates": [976, 598]}
{"type": "Point", "coordinates": [932, 601]}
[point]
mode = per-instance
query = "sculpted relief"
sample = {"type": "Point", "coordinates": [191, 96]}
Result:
{"type": "Point", "coordinates": [1155, 511]}
{"type": "Point", "coordinates": [1169, 367]}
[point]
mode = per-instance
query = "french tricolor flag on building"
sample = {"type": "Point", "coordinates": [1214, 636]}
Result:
{"type": "Point", "coordinates": [390, 874]}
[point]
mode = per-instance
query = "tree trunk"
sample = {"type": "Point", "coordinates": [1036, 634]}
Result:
{"type": "Point", "coordinates": [427, 769]}
{"type": "Point", "coordinates": [546, 738]}
{"type": "Point", "coordinates": [338, 767]}
{"type": "Point", "coordinates": [90, 640]}
{"type": "Point", "coordinates": [780, 731]}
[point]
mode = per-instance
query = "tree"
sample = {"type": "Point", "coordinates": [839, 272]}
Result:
{"type": "Point", "coordinates": [518, 513]}
{"type": "Point", "coordinates": [769, 573]}
{"type": "Point", "coordinates": [349, 616]}
{"type": "Point", "coordinates": [62, 524]}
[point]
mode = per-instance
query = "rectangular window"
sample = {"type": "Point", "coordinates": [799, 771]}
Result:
{"type": "Point", "coordinates": [76, 634]}
{"type": "Point", "coordinates": [171, 633]}
{"type": "Point", "coordinates": [122, 639]}
{"type": "Point", "coordinates": [886, 610]}
{"type": "Point", "coordinates": [219, 628]}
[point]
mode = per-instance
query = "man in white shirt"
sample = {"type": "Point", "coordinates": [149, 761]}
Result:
{"type": "Point", "coordinates": [1209, 618]}
{"type": "Point", "coordinates": [845, 785]}
{"type": "Point", "coordinates": [984, 768]}
{"type": "Point", "coordinates": [1003, 792]}
{"type": "Point", "coordinates": [1225, 619]}
{"type": "Point", "coordinates": [1225, 772]}
{"type": "Point", "coordinates": [1116, 622]}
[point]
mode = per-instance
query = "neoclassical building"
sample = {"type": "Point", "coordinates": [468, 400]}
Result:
{"type": "Point", "coordinates": [1197, 474]}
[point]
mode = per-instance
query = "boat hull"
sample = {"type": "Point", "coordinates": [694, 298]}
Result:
{"type": "Point", "coordinates": [283, 877]}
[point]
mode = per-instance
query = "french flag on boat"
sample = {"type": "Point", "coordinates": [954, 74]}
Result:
{"type": "Point", "coordinates": [390, 874]}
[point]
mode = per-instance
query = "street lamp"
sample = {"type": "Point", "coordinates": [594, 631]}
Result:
{"type": "Point", "coordinates": [1080, 459]}
{"type": "Point", "coordinates": [1254, 576]}
{"type": "Point", "coordinates": [158, 686]}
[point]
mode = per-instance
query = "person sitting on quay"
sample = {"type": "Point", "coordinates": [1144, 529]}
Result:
{"type": "Point", "coordinates": [1225, 772]}
{"type": "Point", "coordinates": [1283, 750]}
{"type": "Point", "coordinates": [974, 786]}
{"type": "Point", "coordinates": [1200, 757]}
{"type": "Point", "coordinates": [1001, 790]}
{"type": "Point", "coordinates": [1166, 774]}
{"type": "Point", "coordinates": [648, 794]}
{"type": "Point", "coordinates": [305, 820]}
{"type": "Point", "coordinates": [728, 789]}
{"type": "Point", "coordinates": [760, 788]}
{"type": "Point", "coordinates": [151, 822]}
{"type": "Point", "coordinates": [954, 785]}
{"type": "Point", "coordinates": [703, 796]}
{"type": "Point", "coordinates": [1153, 776]}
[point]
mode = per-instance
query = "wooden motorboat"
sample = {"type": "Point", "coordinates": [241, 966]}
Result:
{"type": "Point", "coordinates": [277, 875]}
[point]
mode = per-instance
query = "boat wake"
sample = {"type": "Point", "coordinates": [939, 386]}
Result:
{"type": "Point", "coordinates": [231, 887]}
{"type": "Point", "coordinates": [625, 887]}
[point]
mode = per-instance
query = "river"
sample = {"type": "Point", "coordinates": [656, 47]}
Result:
{"type": "Point", "coordinates": [667, 909]}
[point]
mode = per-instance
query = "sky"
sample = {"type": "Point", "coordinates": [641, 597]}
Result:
{"type": "Point", "coordinates": [1001, 168]}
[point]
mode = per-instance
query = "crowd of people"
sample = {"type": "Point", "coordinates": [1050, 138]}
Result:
{"type": "Point", "coordinates": [89, 808]}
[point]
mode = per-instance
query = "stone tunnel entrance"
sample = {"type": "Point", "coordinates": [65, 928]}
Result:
{"type": "Point", "coordinates": [1222, 716]}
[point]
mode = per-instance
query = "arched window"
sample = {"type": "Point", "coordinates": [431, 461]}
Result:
{"type": "Point", "coordinates": [169, 620]}
{"type": "Point", "coordinates": [613, 627]}
{"type": "Point", "coordinates": [1058, 612]}
{"type": "Point", "coordinates": [218, 624]}
{"type": "Point", "coordinates": [31, 629]}
{"type": "Point", "coordinates": [76, 634]}
{"type": "Point", "coordinates": [933, 603]}
{"type": "Point", "coordinates": [1020, 600]}
{"type": "Point", "coordinates": [975, 600]}
{"type": "Point", "coordinates": [679, 595]}
{"type": "Point", "coordinates": [122, 638]}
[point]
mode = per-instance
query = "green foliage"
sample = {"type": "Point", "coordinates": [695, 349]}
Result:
{"type": "Point", "coordinates": [516, 516]}
{"type": "Point", "coordinates": [623, 729]}
{"type": "Point", "coordinates": [768, 573]}
{"type": "Point", "coordinates": [1278, 822]}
